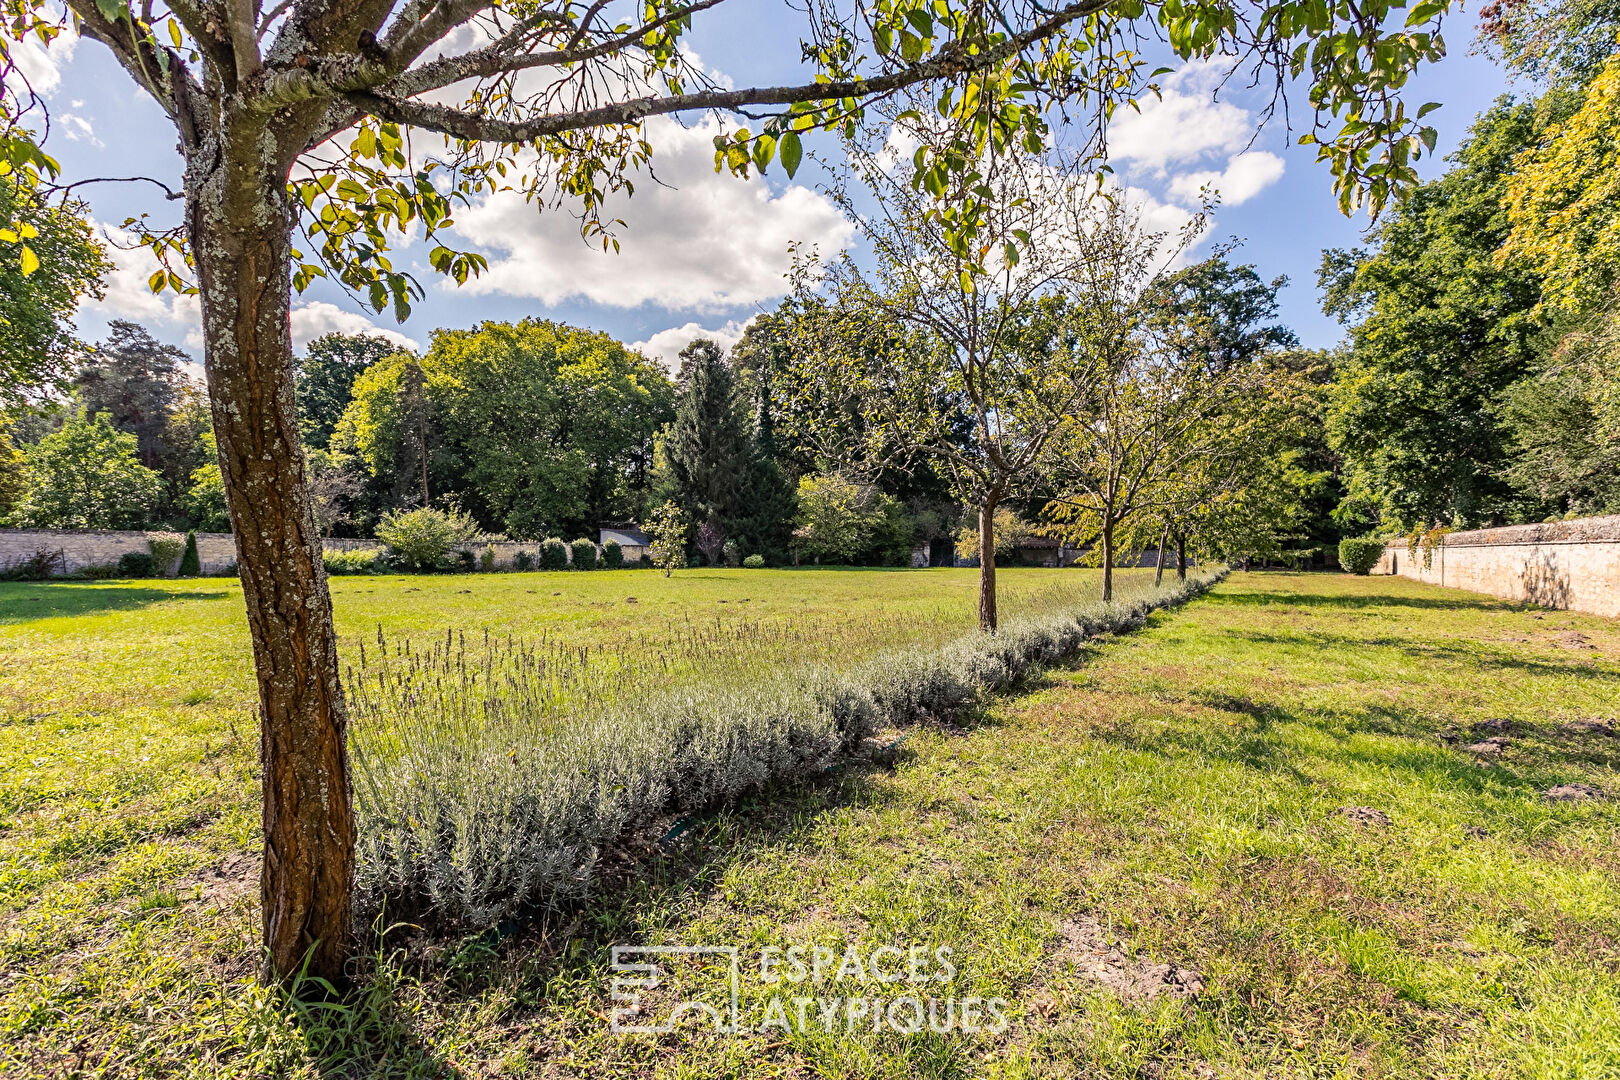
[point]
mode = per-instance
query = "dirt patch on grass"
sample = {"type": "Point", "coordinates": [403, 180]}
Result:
{"type": "Point", "coordinates": [1573, 793]}
{"type": "Point", "coordinates": [1084, 944]}
{"type": "Point", "coordinates": [1364, 815]}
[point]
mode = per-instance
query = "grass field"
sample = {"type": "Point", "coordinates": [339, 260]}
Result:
{"type": "Point", "coordinates": [1176, 797]}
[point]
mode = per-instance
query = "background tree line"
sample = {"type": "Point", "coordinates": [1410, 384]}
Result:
{"type": "Point", "coordinates": [1480, 380]}
{"type": "Point", "coordinates": [536, 429]}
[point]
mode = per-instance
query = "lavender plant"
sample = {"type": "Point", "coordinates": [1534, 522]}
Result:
{"type": "Point", "coordinates": [492, 775]}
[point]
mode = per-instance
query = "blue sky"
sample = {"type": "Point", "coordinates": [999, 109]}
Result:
{"type": "Point", "coordinates": [704, 252]}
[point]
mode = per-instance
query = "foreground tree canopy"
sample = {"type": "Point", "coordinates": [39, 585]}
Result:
{"type": "Point", "coordinates": [293, 117]}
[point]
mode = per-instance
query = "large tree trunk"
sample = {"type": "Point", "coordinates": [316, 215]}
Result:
{"type": "Point", "coordinates": [987, 564]}
{"type": "Point", "coordinates": [242, 266]}
{"type": "Point", "coordinates": [1181, 556]}
{"type": "Point", "coordinates": [1108, 559]}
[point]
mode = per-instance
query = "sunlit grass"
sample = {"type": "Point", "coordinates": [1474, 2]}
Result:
{"type": "Point", "coordinates": [1181, 786]}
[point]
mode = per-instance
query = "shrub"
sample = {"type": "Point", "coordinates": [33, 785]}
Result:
{"type": "Point", "coordinates": [190, 563]}
{"type": "Point", "coordinates": [96, 571]}
{"type": "Point", "coordinates": [166, 549]}
{"type": "Point", "coordinates": [465, 559]}
{"type": "Point", "coordinates": [425, 539]}
{"type": "Point", "coordinates": [584, 553]}
{"type": "Point", "coordinates": [43, 563]}
{"type": "Point", "coordinates": [136, 564]}
{"type": "Point", "coordinates": [476, 803]}
{"type": "Point", "coordinates": [359, 561]}
{"type": "Point", "coordinates": [612, 555]}
{"type": "Point", "coordinates": [732, 553]}
{"type": "Point", "coordinates": [553, 554]}
{"type": "Point", "coordinates": [646, 561]}
{"type": "Point", "coordinates": [1360, 554]}
{"type": "Point", "coordinates": [486, 561]}
{"type": "Point", "coordinates": [523, 561]}
{"type": "Point", "coordinates": [754, 562]}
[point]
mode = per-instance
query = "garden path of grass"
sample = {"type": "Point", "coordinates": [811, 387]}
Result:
{"type": "Point", "coordinates": [1179, 789]}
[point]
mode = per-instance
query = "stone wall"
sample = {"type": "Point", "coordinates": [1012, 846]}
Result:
{"type": "Point", "coordinates": [89, 548]}
{"type": "Point", "coordinates": [93, 548]}
{"type": "Point", "coordinates": [1561, 564]}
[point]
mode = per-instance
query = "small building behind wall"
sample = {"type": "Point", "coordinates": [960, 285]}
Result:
{"type": "Point", "coordinates": [632, 540]}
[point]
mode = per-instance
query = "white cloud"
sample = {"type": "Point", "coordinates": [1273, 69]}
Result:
{"type": "Point", "coordinates": [129, 296]}
{"type": "Point", "coordinates": [311, 320]}
{"type": "Point", "coordinates": [77, 129]}
{"type": "Point", "coordinates": [1246, 176]}
{"type": "Point", "coordinates": [666, 345]}
{"type": "Point", "coordinates": [1183, 126]}
{"type": "Point", "coordinates": [42, 65]}
{"type": "Point", "coordinates": [701, 241]}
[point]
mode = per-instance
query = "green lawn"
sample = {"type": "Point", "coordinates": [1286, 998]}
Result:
{"type": "Point", "coordinates": [1174, 797]}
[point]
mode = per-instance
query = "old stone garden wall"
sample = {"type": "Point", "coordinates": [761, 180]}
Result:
{"type": "Point", "coordinates": [1561, 564]}
{"type": "Point", "coordinates": [83, 549]}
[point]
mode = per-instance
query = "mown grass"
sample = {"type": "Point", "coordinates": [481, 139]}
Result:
{"type": "Point", "coordinates": [1180, 786]}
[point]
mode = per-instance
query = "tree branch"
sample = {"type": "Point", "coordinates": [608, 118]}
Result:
{"type": "Point", "coordinates": [168, 192]}
{"type": "Point", "coordinates": [497, 59]}
{"type": "Point", "coordinates": [239, 16]}
{"type": "Point", "coordinates": [953, 59]}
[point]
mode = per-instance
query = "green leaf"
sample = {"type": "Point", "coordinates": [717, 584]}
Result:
{"type": "Point", "coordinates": [764, 150]}
{"type": "Point", "coordinates": [792, 151]}
{"type": "Point", "coordinates": [112, 10]}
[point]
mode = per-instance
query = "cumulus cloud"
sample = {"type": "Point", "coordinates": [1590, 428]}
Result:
{"type": "Point", "coordinates": [311, 320]}
{"type": "Point", "coordinates": [1189, 139]}
{"type": "Point", "coordinates": [1184, 125]}
{"type": "Point", "coordinates": [666, 345]}
{"type": "Point", "coordinates": [701, 241]}
{"type": "Point", "coordinates": [42, 65]}
{"type": "Point", "coordinates": [174, 316]}
{"type": "Point", "coordinates": [77, 129]}
{"type": "Point", "coordinates": [129, 296]}
{"type": "Point", "coordinates": [1245, 176]}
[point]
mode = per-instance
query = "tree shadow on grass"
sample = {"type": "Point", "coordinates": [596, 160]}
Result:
{"type": "Point", "coordinates": [22, 602]}
{"type": "Point", "coordinates": [1236, 597]}
{"type": "Point", "coordinates": [1472, 654]}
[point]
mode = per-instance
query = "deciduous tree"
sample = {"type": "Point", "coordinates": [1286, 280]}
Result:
{"type": "Point", "coordinates": [325, 380]}
{"type": "Point", "coordinates": [1438, 327]}
{"type": "Point", "coordinates": [87, 475]}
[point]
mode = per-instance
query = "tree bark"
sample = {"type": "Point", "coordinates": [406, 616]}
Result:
{"type": "Point", "coordinates": [1181, 557]}
{"type": "Point", "coordinates": [987, 564]}
{"type": "Point", "coordinates": [1158, 564]}
{"type": "Point", "coordinates": [1108, 559]}
{"type": "Point", "coordinates": [307, 878]}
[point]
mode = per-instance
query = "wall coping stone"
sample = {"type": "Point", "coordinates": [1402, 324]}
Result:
{"type": "Point", "coordinates": [1579, 531]}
